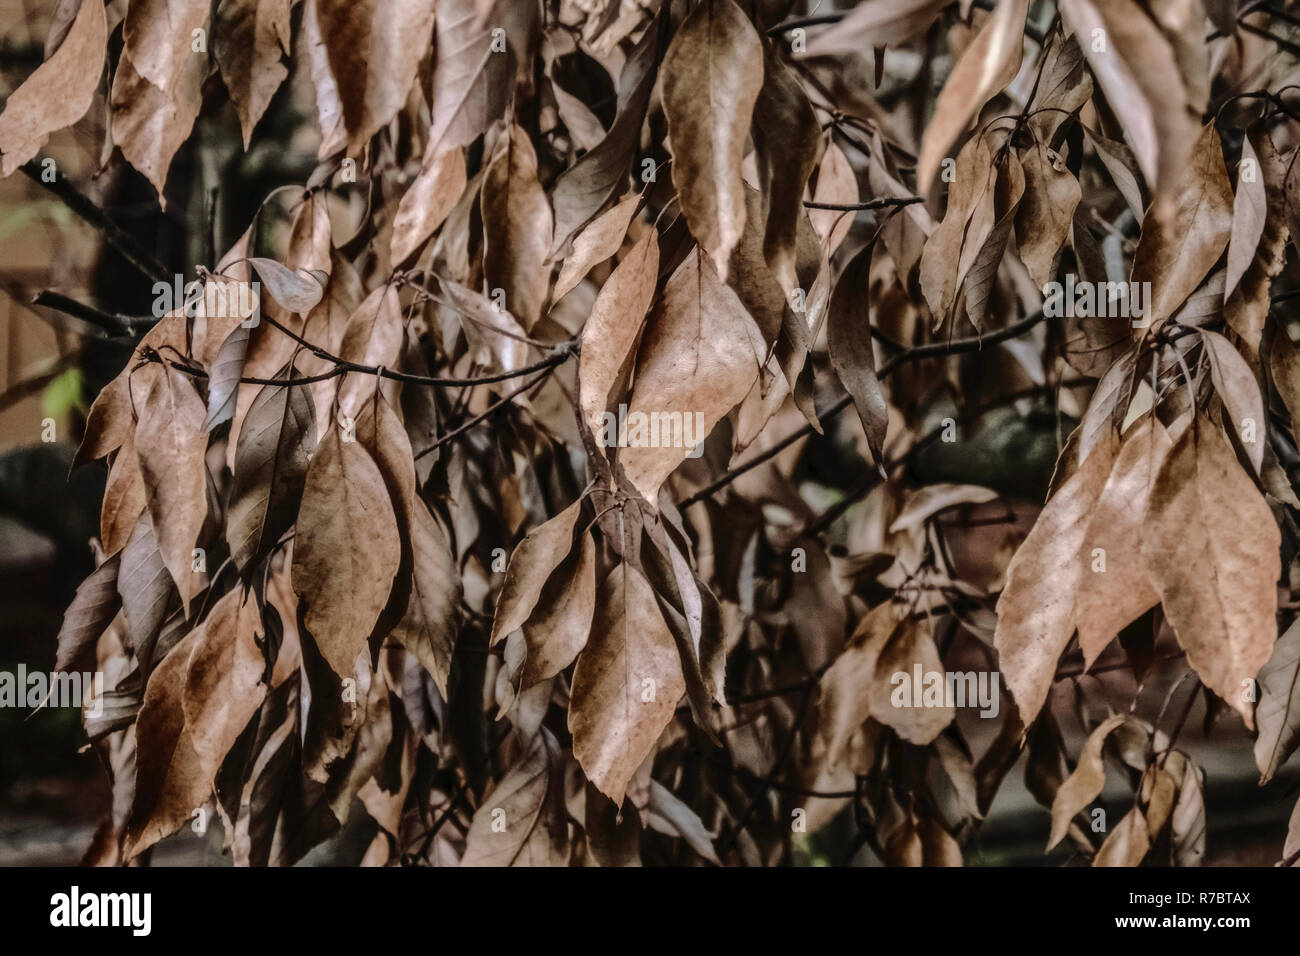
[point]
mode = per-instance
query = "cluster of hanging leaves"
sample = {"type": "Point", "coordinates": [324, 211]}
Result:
{"type": "Point", "coordinates": [366, 546]}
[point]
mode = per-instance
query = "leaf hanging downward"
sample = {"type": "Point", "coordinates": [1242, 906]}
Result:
{"type": "Point", "coordinates": [626, 685]}
{"type": "Point", "coordinates": [346, 551]}
{"type": "Point", "coordinates": [1211, 545]}
{"type": "Point", "coordinates": [58, 93]}
{"type": "Point", "coordinates": [712, 73]}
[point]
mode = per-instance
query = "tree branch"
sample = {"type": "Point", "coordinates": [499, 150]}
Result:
{"type": "Point", "coordinates": [914, 354]}
{"type": "Point", "coordinates": [113, 234]}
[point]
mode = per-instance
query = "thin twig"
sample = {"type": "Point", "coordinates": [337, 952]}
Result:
{"type": "Point", "coordinates": [914, 354]}
{"type": "Point", "coordinates": [113, 234]}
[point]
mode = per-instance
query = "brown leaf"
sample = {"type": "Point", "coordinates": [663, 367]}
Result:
{"type": "Point", "coordinates": [517, 227]}
{"type": "Point", "coordinates": [951, 249]}
{"type": "Point", "coordinates": [429, 628]}
{"type": "Point", "coordinates": [1211, 546]}
{"type": "Point", "coordinates": [712, 74]}
{"type": "Point", "coordinates": [787, 145]}
{"type": "Point", "coordinates": [58, 92]}
{"type": "Point", "coordinates": [699, 355]}
{"type": "Point", "coordinates": [596, 243]}
{"type": "Point", "coordinates": [1248, 305]}
{"type": "Point", "coordinates": [373, 49]}
{"type": "Point", "coordinates": [124, 498]}
{"type": "Point", "coordinates": [612, 328]}
{"type": "Point", "coordinates": [1045, 212]}
{"type": "Point", "coordinates": [108, 424]}
{"type": "Point", "coordinates": [297, 290]}
{"type": "Point", "coordinates": [531, 564]}
{"type": "Point", "coordinates": [522, 821]}
{"type": "Point", "coordinates": [1176, 253]}
{"type": "Point", "coordinates": [977, 288]}
{"type": "Point", "coordinates": [374, 336]}
{"type": "Point", "coordinates": [146, 589]}
{"type": "Point", "coordinates": [1278, 711]}
{"type": "Point", "coordinates": [1249, 212]}
{"type": "Point", "coordinates": [667, 814]}
{"type": "Point", "coordinates": [92, 609]}
{"type": "Point", "coordinates": [1035, 610]}
{"type": "Point", "coordinates": [428, 201]}
{"type": "Point", "coordinates": [859, 685]}
{"type": "Point", "coordinates": [837, 184]}
{"type": "Point", "coordinates": [197, 703]}
{"type": "Point", "coordinates": [587, 185]}
{"type": "Point", "coordinates": [1085, 784]}
{"type": "Point", "coordinates": [848, 337]}
{"type": "Point", "coordinates": [981, 71]}
{"type": "Point", "coordinates": [1243, 403]}
{"type": "Point", "coordinates": [560, 623]}
{"type": "Point", "coordinates": [150, 124]}
{"type": "Point", "coordinates": [470, 81]}
{"type": "Point", "coordinates": [171, 442]}
{"type": "Point", "coordinates": [1114, 587]}
{"type": "Point", "coordinates": [1139, 73]}
{"type": "Point", "coordinates": [346, 550]}
{"type": "Point", "coordinates": [275, 446]}
{"type": "Point", "coordinates": [626, 685]}
{"type": "Point", "coordinates": [159, 38]}
{"type": "Point", "coordinates": [1128, 843]}
{"type": "Point", "coordinates": [249, 39]}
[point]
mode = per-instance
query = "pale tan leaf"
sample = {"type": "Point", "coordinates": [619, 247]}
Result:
{"type": "Point", "coordinates": [429, 200]}
{"type": "Point", "coordinates": [522, 821]}
{"type": "Point", "coordinates": [1085, 784]}
{"type": "Point", "coordinates": [700, 353]}
{"type": "Point", "coordinates": [1036, 608]}
{"type": "Point", "coordinates": [540, 553]}
{"type": "Point", "coordinates": [983, 69]}
{"type": "Point", "coordinates": [58, 92]}
{"type": "Point", "coordinates": [612, 328]}
{"type": "Point", "coordinates": [1114, 588]}
{"type": "Point", "coordinates": [517, 228]}
{"type": "Point", "coordinates": [171, 442]}
{"type": "Point", "coordinates": [346, 550]}
{"type": "Point", "coordinates": [596, 243]}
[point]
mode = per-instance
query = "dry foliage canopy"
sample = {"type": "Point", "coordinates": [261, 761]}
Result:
{"type": "Point", "coordinates": [514, 511]}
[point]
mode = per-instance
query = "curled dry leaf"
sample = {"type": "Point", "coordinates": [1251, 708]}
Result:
{"type": "Point", "coordinates": [196, 705]}
{"type": "Point", "coordinates": [532, 563]}
{"type": "Point", "coordinates": [983, 69]}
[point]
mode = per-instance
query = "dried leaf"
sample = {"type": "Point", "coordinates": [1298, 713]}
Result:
{"type": "Point", "coordinates": [346, 551]}
{"type": "Point", "coordinates": [712, 74]}
{"type": "Point", "coordinates": [1212, 552]}
{"type": "Point", "coordinates": [626, 685]}
{"type": "Point", "coordinates": [58, 92]}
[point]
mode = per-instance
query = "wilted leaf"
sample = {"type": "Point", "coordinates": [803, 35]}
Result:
{"type": "Point", "coordinates": [346, 550]}
{"type": "Point", "coordinates": [712, 73]}
{"type": "Point", "coordinates": [1212, 552]}
{"type": "Point", "coordinates": [984, 68]}
{"type": "Point", "coordinates": [522, 821]}
{"type": "Point", "coordinates": [699, 355]}
{"type": "Point", "coordinates": [58, 92]}
{"type": "Point", "coordinates": [626, 685]}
